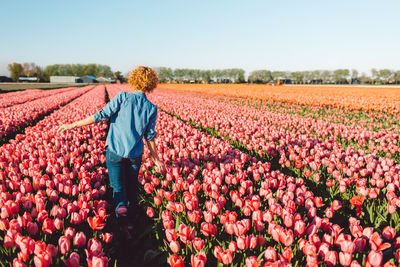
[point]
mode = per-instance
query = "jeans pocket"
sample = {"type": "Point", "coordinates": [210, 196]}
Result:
{"type": "Point", "coordinates": [114, 157]}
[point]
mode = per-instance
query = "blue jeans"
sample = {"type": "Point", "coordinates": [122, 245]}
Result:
{"type": "Point", "coordinates": [123, 173]}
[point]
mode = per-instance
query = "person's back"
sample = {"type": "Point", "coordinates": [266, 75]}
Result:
{"type": "Point", "coordinates": [132, 117]}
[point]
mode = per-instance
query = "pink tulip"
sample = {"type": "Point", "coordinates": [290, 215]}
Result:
{"type": "Point", "coordinates": [98, 261]}
{"type": "Point", "coordinates": [48, 226]}
{"type": "Point", "coordinates": [374, 259]}
{"type": "Point", "coordinates": [107, 238]}
{"type": "Point", "coordinates": [198, 243]}
{"type": "Point", "coordinates": [150, 212]}
{"type": "Point", "coordinates": [94, 247]}
{"type": "Point", "coordinates": [252, 262]}
{"type": "Point", "coordinates": [73, 260]}
{"type": "Point", "coordinates": [80, 239]}
{"type": "Point", "coordinates": [270, 254]}
{"type": "Point", "coordinates": [331, 258]}
{"type": "Point", "coordinates": [69, 232]}
{"type": "Point", "coordinates": [388, 233]}
{"type": "Point", "coordinates": [64, 245]}
{"type": "Point", "coordinates": [174, 246]}
{"type": "Point", "coordinates": [225, 257]}
{"type": "Point", "coordinates": [198, 260]}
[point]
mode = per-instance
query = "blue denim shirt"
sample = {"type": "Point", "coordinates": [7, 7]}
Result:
{"type": "Point", "coordinates": [132, 117]}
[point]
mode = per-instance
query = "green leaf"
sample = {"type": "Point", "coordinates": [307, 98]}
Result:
{"type": "Point", "coordinates": [260, 256]}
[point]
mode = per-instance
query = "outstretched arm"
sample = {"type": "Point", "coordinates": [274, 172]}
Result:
{"type": "Point", "coordinates": [84, 122]}
{"type": "Point", "coordinates": [153, 152]}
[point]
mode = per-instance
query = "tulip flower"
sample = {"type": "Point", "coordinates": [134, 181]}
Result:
{"type": "Point", "coordinates": [73, 260]}
{"type": "Point", "coordinates": [80, 239]}
{"type": "Point", "coordinates": [175, 261]}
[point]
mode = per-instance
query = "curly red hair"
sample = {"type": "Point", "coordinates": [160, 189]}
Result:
{"type": "Point", "coordinates": [143, 78]}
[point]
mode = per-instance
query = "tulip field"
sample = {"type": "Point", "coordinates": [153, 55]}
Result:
{"type": "Point", "coordinates": [249, 182]}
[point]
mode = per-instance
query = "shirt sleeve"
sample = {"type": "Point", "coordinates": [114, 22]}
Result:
{"type": "Point", "coordinates": [150, 133]}
{"type": "Point", "coordinates": [110, 109]}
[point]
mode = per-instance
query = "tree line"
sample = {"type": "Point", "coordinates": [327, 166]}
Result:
{"type": "Point", "coordinates": [234, 75]}
{"type": "Point", "coordinates": [32, 70]}
{"type": "Point", "coordinates": [166, 75]}
{"type": "Point", "coordinates": [339, 76]}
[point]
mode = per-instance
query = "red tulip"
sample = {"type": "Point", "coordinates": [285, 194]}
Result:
{"type": "Point", "coordinates": [174, 246]}
{"type": "Point", "coordinates": [18, 263]}
{"type": "Point", "coordinates": [186, 234]}
{"type": "Point", "coordinates": [69, 232]}
{"type": "Point", "coordinates": [42, 259]}
{"type": "Point", "coordinates": [374, 259]}
{"type": "Point", "coordinates": [225, 257]}
{"type": "Point", "coordinates": [175, 261]}
{"type": "Point", "coordinates": [97, 261]}
{"type": "Point", "coordinates": [73, 260]}
{"type": "Point", "coordinates": [270, 254]}
{"type": "Point", "coordinates": [48, 226]}
{"type": "Point", "coordinates": [94, 247]}
{"type": "Point", "coordinates": [107, 238]}
{"type": "Point", "coordinates": [344, 258]}
{"type": "Point", "coordinates": [252, 262]}
{"type": "Point", "coordinates": [233, 246]}
{"type": "Point", "coordinates": [150, 212]}
{"type": "Point", "coordinates": [32, 228]}
{"type": "Point", "coordinates": [96, 223]}
{"type": "Point", "coordinates": [170, 234]}
{"type": "Point", "coordinates": [389, 233]}
{"type": "Point", "coordinates": [198, 260]}
{"type": "Point", "coordinates": [64, 244]}
{"type": "Point", "coordinates": [299, 228]}
{"type": "Point", "coordinates": [198, 243]}
{"type": "Point", "coordinates": [208, 229]}
{"type": "Point", "coordinates": [331, 258]}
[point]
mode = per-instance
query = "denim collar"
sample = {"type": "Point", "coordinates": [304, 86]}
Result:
{"type": "Point", "coordinates": [140, 93]}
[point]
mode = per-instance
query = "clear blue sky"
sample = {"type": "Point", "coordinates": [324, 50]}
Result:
{"type": "Point", "coordinates": [204, 34]}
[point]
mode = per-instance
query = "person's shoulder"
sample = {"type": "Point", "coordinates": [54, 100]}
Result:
{"type": "Point", "coordinates": [121, 94]}
{"type": "Point", "coordinates": [154, 107]}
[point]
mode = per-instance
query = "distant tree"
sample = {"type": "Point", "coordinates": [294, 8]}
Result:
{"type": "Point", "coordinates": [397, 77]}
{"type": "Point", "coordinates": [308, 76]}
{"type": "Point", "coordinates": [364, 79]}
{"type": "Point", "coordinates": [297, 77]}
{"type": "Point", "coordinates": [118, 76]}
{"type": "Point", "coordinates": [340, 75]}
{"type": "Point", "coordinates": [205, 76]}
{"type": "Point", "coordinates": [385, 75]}
{"type": "Point", "coordinates": [317, 76]}
{"type": "Point", "coordinates": [326, 76]}
{"type": "Point", "coordinates": [277, 75]}
{"type": "Point", "coordinates": [32, 70]}
{"type": "Point", "coordinates": [260, 76]}
{"type": "Point", "coordinates": [374, 75]}
{"type": "Point", "coordinates": [16, 70]}
{"type": "Point", "coordinates": [354, 73]}
{"type": "Point", "coordinates": [239, 76]}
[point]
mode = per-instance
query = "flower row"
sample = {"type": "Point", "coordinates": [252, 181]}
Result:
{"type": "Point", "coordinates": [19, 116]}
{"type": "Point", "coordinates": [51, 188]}
{"type": "Point", "coordinates": [20, 97]}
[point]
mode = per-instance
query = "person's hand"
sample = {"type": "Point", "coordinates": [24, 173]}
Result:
{"type": "Point", "coordinates": [160, 166]}
{"type": "Point", "coordinates": [65, 127]}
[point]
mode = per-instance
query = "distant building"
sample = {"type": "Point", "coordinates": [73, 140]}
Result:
{"type": "Point", "coordinates": [27, 79]}
{"type": "Point", "coordinates": [63, 79]}
{"type": "Point", "coordinates": [105, 80]}
{"type": "Point", "coordinates": [282, 80]}
{"type": "Point", "coordinates": [5, 79]}
{"type": "Point", "coordinates": [87, 79]}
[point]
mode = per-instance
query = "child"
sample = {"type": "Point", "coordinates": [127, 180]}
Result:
{"type": "Point", "coordinates": [132, 117]}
